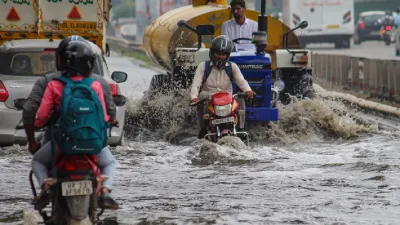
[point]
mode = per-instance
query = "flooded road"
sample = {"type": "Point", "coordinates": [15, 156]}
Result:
{"type": "Point", "coordinates": [315, 166]}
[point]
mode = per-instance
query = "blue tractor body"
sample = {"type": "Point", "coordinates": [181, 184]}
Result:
{"type": "Point", "coordinates": [256, 69]}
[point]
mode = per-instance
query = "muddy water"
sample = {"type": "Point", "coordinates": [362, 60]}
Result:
{"type": "Point", "coordinates": [315, 166]}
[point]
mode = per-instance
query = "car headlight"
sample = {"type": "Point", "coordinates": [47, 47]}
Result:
{"type": "Point", "coordinates": [279, 85]}
{"type": "Point", "coordinates": [223, 110]}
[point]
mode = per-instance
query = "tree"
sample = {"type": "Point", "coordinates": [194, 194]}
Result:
{"type": "Point", "coordinates": [123, 9]}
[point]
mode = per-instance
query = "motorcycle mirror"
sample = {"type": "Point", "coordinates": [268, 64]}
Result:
{"type": "Point", "coordinates": [303, 24]}
{"type": "Point", "coordinates": [205, 29]}
{"type": "Point", "coordinates": [119, 100]}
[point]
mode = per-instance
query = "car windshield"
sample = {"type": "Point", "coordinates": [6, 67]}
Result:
{"type": "Point", "coordinates": [373, 17]}
{"type": "Point", "coordinates": [32, 63]}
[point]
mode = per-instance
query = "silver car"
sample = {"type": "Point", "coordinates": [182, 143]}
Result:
{"type": "Point", "coordinates": [22, 62]}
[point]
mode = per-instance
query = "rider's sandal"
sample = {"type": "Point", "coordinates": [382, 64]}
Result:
{"type": "Point", "coordinates": [106, 202]}
{"type": "Point", "coordinates": [43, 199]}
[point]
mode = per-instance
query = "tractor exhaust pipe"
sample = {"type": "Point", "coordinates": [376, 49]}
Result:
{"type": "Point", "coordinates": [263, 19]}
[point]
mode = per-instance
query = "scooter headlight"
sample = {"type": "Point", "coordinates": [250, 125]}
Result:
{"type": "Point", "coordinates": [279, 85]}
{"type": "Point", "coordinates": [223, 110]}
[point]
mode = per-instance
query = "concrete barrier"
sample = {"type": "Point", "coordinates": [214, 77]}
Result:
{"type": "Point", "coordinates": [120, 43]}
{"type": "Point", "coordinates": [378, 78]}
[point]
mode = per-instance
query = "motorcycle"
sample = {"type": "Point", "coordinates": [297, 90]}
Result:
{"type": "Point", "coordinates": [387, 34]}
{"type": "Point", "coordinates": [76, 188]}
{"type": "Point", "coordinates": [224, 116]}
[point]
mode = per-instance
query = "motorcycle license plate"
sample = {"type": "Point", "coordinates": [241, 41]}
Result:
{"type": "Point", "coordinates": [224, 120]}
{"type": "Point", "coordinates": [75, 188]}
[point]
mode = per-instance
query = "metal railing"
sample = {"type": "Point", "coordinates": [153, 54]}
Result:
{"type": "Point", "coordinates": [380, 78]}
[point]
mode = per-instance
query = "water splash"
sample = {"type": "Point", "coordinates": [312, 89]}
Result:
{"type": "Point", "coordinates": [169, 116]}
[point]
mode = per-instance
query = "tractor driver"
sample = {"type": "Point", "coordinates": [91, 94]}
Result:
{"type": "Point", "coordinates": [239, 26]}
{"type": "Point", "coordinates": [217, 79]}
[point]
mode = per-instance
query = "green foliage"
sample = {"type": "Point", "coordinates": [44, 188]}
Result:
{"type": "Point", "coordinates": [123, 9]}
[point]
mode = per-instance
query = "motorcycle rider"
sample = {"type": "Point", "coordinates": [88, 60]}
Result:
{"type": "Point", "coordinates": [397, 18]}
{"type": "Point", "coordinates": [218, 80]}
{"type": "Point", "coordinates": [388, 19]}
{"type": "Point", "coordinates": [239, 26]}
{"type": "Point", "coordinates": [42, 157]}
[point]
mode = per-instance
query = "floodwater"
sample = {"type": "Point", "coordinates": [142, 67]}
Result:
{"type": "Point", "coordinates": [317, 165]}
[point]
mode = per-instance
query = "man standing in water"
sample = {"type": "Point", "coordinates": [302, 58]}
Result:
{"type": "Point", "coordinates": [239, 26]}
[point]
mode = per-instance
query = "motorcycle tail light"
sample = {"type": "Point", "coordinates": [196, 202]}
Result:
{"type": "Point", "coordinates": [388, 27]}
{"type": "Point", "coordinates": [75, 177]}
{"type": "Point", "coordinates": [76, 165]}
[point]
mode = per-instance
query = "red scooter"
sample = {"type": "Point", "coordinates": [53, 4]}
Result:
{"type": "Point", "coordinates": [224, 116]}
{"type": "Point", "coordinates": [386, 34]}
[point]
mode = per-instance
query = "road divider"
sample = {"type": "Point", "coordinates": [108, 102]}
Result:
{"type": "Point", "coordinates": [378, 78]}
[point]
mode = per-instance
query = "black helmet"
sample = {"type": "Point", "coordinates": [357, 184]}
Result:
{"type": "Point", "coordinates": [220, 44]}
{"type": "Point", "coordinates": [79, 57]}
{"type": "Point", "coordinates": [398, 10]}
{"type": "Point", "coordinates": [60, 60]}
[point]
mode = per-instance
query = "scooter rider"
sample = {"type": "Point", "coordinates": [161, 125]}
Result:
{"type": "Point", "coordinates": [42, 157]}
{"type": "Point", "coordinates": [218, 79]}
{"type": "Point", "coordinates": [397, 18]}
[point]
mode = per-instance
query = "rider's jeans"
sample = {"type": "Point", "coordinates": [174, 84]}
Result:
{"type": "Point", "coordinates": [42, 160]}
{"type": "Point", "coordinates": [201, 110]}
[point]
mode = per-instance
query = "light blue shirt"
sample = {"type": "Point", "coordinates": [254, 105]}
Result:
{"type": "Point", "coordinates": [397, 19]}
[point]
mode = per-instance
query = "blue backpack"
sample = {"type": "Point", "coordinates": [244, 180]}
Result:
{"type": "Point", "coordinates": [80, 127]}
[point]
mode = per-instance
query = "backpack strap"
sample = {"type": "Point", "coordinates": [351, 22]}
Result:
{"type": "Point", "coordinates": [87, 81]}
{"type": "Point", "coordinates": [228, 70]}
{"type": "Point", "coordinates": [207, 72]}
{"type": "Point", "coordinates": [66, 80]}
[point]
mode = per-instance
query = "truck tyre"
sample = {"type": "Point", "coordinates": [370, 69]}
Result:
{"type": "Point", "coordinates": [346, 43]}
{"type": "Point", "coordinates": [357, 40]}
{"type": "Point", "coordinates": [306, 84]}
{"type": "Point", "coordinates": [160, 82]}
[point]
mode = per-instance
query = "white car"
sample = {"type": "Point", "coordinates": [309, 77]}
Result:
{"type": "Point", "coordinates": [22, 63]}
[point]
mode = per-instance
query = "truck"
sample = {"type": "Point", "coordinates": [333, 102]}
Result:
{"type": "Point", "coordinates": [149, 10]}
{"type": "Point", "coordinates": [331, 21]}
{"type": "Point", "coordinates": [54, 19]}
{"type": "Point", "coordinates": [177, 42]}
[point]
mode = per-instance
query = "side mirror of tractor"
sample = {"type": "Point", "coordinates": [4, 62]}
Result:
{"type": "Point", "coordinates": [303, 24]}
{"type": "Point", "coordinates": [205, 29]}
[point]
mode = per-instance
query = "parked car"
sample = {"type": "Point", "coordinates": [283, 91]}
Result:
{"type": "Point", "coordinates": [369, 26]}
{"type": "Point", "coordinates": [22, 62]}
